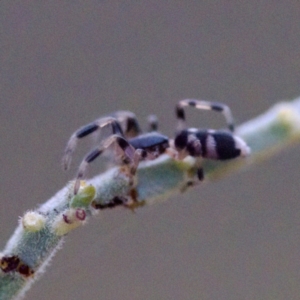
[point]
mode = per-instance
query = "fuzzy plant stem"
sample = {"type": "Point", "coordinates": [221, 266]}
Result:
{"type": "Point", "coordinates": [41, 231]}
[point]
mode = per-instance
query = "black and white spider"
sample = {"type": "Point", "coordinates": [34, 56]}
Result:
{"type": "Point", "coordinates": [132, 146]}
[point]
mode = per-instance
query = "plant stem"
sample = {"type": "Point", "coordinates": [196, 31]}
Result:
{"type": "Point", "coordinates": [40, 232]}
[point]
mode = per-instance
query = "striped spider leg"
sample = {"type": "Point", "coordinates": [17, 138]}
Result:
{"type": "Point", "coordinates": [122, 122]}
{"type": "Point", "coordinates": [130, 150]}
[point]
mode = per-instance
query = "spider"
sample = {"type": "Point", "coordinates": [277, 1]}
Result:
{"type": "Point", "coordinates": [134, 146]}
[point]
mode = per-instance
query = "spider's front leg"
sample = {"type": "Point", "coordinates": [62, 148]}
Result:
{"type": "Point", "coordinates": [85, 131]}
{"type": "Point", "coordinates": [130, 157]}
{"type": "Point", "coordinates": [122, 122]}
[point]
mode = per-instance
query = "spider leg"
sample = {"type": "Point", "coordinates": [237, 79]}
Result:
{"type": "Point", "coordinates": [205, 105]}
{"type": "Point", "coordinates": [152, 123]}
{"type": "Point", "coordinates": [86, 130]}
{"type": "Point", "coordinates": [131, 156]}
{"type": "Point", "coordinates": [128, 122]}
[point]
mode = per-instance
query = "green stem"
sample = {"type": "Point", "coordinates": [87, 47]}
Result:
{"type": "Point", "coordinates": [40, 232]}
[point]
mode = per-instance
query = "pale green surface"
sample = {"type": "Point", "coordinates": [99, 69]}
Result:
{"type": "Point", "coordinates": [156, 180]}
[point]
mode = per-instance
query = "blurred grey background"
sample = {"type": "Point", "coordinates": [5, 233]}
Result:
{"type": "Point", "coordinates": [65, 63]}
